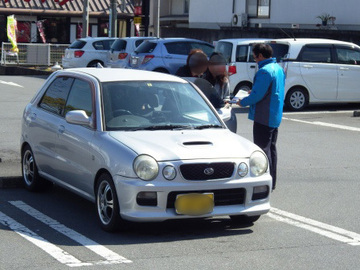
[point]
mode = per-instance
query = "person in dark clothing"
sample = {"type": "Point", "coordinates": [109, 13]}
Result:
{"type": "Point", "coordinates": [217, 75]}
{"type": "Point", "coordinates": [196, 64]}
{"type": "Point", "coordinates": [266, 102]}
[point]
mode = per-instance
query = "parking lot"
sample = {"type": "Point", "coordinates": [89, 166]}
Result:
{"type": "Point", "coordinates": [313, 224]}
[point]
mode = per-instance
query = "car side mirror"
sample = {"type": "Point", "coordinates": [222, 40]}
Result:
{"type": "Point", "coordinates": [79, 117]}
{"type": "Point", "coordinates": [225, 113]}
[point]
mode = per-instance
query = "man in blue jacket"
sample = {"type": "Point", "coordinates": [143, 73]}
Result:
{"type": "Point", "coordinates": [266, 102]}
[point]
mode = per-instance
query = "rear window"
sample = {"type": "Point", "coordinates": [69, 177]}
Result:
{"type": "Point", "coordinates": [138, 42]}
{"type": "Point", "coordinates": [119, 45]}
{"type": "Point", "coordinates": [225, 48]}
{"type": "Point", "coordinates": [146, 47]}
{"type": "Point", "coordinates": [280, 51]}
{"type": "Point", "coordinates": [206, 48]}
{"type": "Point", "coordinates": [77, 44]}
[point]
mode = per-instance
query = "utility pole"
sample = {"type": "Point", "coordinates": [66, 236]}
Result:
{"type": "Point", "coordinates": [85, 19]}
{"type": "Point", "coordinates": [113, 18]}
{"type": "Point", "coordinates": [158, 19]}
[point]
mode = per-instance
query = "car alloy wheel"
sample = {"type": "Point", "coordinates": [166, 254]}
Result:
{"type": "Point", "coordinates": [32, 180]}
{"type": "Point", "coordinates": [107, 204]}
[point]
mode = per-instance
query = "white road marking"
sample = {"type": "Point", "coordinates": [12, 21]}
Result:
{"type": "Point", "coordinates": [320, 112]}
{"type": "Point", "coordinates": [324, 124]}
{"type": "Point", "coordinates": [37, 240]}
{"type": "Point", "coordinates": [323, 229]}
{"type": "Point", "coordinates": [110, 256]}
{"type": "Point", "coordinates": [11, 83]}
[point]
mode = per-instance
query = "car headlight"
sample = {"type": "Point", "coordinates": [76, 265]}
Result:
{"type": "Point", "coordinates": [169, 173]}
{"type": "Point", "coordinates": [258, 163]}
{"type": "Point", "coordinates": [146, 167]}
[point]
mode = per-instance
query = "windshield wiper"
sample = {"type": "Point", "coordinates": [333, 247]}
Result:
{"type": "Point", "coordinates": [163, 127]}
{"type": "Point", "coordinates": [208, 126]}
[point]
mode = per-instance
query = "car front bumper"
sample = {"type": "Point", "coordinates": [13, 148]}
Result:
{"type": "Point", "coordinates": [127, 191]}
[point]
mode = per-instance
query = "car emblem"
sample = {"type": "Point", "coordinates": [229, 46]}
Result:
{"type": "Point", "coordinates": [209, 171]}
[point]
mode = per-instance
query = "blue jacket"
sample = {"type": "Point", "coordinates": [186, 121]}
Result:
{"type": "Point", "coordinates": [267, 95]}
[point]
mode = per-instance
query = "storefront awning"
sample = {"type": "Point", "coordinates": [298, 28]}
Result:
{"type": "Point", "coordinates": [98, 8]}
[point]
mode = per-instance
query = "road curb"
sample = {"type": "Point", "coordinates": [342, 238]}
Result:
{"type": "Point", "coordinates": [11, 182]}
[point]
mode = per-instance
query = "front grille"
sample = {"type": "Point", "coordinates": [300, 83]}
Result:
{"type": "Point", "coordinates": [198, 171]}
{"type": "Point", "coordinates": [221, 196]}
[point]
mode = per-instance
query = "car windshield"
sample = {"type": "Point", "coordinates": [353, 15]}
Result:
{"type": "Point", "coordinates": [153, 105]}
{"type": "Point", "coordinates": [119, 45]}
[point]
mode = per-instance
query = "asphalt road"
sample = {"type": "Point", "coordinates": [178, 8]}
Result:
{"type": "Point", "coordinates": [314, 222]}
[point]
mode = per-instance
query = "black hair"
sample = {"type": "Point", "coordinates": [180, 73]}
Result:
{"type": "Point", "coordinates": [263, 48]}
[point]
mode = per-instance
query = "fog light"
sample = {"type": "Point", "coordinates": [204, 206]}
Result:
{"type": "Point", "coordinates": [147, 198]}
{"type": "Point", "coordinates": [260, 192]}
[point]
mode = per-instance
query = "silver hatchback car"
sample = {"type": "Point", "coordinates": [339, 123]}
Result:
{"type": "Point", "coordinates": [143, 146]}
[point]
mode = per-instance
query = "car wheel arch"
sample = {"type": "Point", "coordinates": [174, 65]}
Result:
{"type": "Point", "coordinates": [290, 92]}
{"type": "Point", "coordinates": [97, 177]}
{"type": "Point", "coordinates": [95, 61]}
{"type": "Point", "coordinates": [241, 84]}
{"type": "Point", "coordinates": [162, 70]}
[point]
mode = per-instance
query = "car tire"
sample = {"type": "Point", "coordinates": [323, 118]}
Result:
{"type": "Point", "coordinates": [297, 99]}
{"type": "Point", "coordinates": [32, 180]}
{"type": "Point", "coordinates": [94, 63]}
{"type": "Point", "coordinates": [107, 205]}
{"type": "Point", "coordinates": [244, 85]}
{"type": "Point", "coordinates": [243, 220]}
{"type": "Point", "coordinates": [162, 70]}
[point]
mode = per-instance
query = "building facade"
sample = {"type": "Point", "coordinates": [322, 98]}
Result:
{"type": "Point", "coordinates": [213, 19]}
{"type": "Point", "coordinates": [62, 22]}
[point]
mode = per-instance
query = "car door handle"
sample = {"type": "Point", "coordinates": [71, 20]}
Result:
{"type": "Point", "coordinates": [61, 129]}
{"type": "Point", "coordinates": [33, 116]}
{"type": "Point", "coordinates": [308, 66]}
{"type": "Point", "coordinates": [344, 68]}
{"type": "Point", "coordinates": [168, 56]}
{"type": "Point", "coordinates": [252, 66]}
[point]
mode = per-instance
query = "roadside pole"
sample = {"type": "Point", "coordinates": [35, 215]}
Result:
{"type": "Point", "coordinates": [113, 19]}
{"type": "Point", "coordinates": [85, 19]}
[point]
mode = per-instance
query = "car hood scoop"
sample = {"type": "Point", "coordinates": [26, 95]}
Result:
{"type": "Point", "coordinates": [166, 145]}
{"type": "Point", "coordinates": [197, 143]}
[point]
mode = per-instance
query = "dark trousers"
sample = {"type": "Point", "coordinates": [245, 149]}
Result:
{"type": "Point", "coordinates": [265, 137]}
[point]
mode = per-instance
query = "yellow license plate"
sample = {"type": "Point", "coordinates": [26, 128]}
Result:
{"type": "Point", "coordinates": [194, 204]}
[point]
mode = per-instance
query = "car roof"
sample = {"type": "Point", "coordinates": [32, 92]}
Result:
{"type": "Point", "coordinates": [303, 41]}
{"type": "Point", "coordinates": [243, 40]}
{"type": "Point", "coordinates": [177, 39]}
{"type": "Point", "coordinates": [119, 74]}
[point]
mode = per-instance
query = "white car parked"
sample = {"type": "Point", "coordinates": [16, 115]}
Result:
{"type": "Point", "coordinates": [241, 64]}
{"type": "Point", "coordinates": [143, 146]}
{"type": "Point", "coordinates": [87, 52]}
{"type": "Point", "coordinates": [119, 54]}
{"type": "Point", "coordinates": [319, 71]}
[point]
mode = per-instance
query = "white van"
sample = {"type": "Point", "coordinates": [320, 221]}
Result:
{"type": "Point", "coordinates": [319, 71]}
{"type": "Point", "coordinates": [241, 64]}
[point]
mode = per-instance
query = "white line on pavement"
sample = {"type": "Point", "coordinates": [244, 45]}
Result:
{"type": "Point", "coordinates": [319, 112]}
{"type": "Point", "coordinates": [323, 229]}
{"type": "Point", "coordinates": [110, 256]}
{"type": "Point", "coordinates": [324, 124]}
{"type": "Point", "coordinates": [37, 240]}
{"type": "Point", "coordinates": [11, 83]}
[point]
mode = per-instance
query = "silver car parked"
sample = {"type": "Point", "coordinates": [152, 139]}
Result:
{"type": "Point", "coordinates": [143, 146]}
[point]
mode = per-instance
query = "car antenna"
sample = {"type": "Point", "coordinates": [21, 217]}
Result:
{"type": "Point", "coordinates": [287, 33]}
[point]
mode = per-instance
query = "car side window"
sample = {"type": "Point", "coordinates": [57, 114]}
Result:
{"type": "Point", "coordinates": [242, 53]}
{"type": "Point", "coordinates": [98, 45]}
{"type": "Point", "coordinates": [181, 48]}
{"type": "Point", "coordinates": [55, 96]}
{"type": "Point", "coordinates": [80, 97]}
{"type": "Point", "coordinates": [348, 56]}
{"type": "Point", "coordinates": [316, 54]}
{"type": "Point", "coordinates": [107, 44]}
